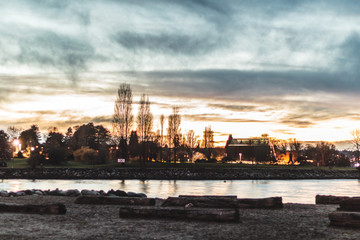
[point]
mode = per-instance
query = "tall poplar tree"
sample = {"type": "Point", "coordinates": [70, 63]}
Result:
{"type": "Point", "coordinates": [144, 118]}
{"type": "Point", "coordinates": [123, 117]}
{"type": "Point", "coordinates": [173, 131]}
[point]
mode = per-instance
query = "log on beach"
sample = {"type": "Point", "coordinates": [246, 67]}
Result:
{"type": "Point", "coordinates": [351, 204]}
{"type": "Point", "coordinates": [345, 219]}
{"type": "Point", "coordinates": [115, 200]}
{"type": "Point", "coordinates": [224, 202]}
{"type": "Point", "coordinates": [209, 214]}
{"type": "Point", "coordinates": [329, 199]}
{"type": "Point", "coordinates": [57, 208]}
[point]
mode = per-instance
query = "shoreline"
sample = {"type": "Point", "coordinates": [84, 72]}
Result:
{"type": "Point", "coordinates": [177, 173]}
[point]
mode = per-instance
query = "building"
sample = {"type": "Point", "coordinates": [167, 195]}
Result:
{"type": "Point", "coordinates": [248, 149]}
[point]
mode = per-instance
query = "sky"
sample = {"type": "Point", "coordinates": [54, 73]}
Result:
{"type": "Point", "coordinates": [287, 68]}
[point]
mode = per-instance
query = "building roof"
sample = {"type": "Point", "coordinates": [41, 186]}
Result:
{"type": "Point", "coordinates": [248, 142]}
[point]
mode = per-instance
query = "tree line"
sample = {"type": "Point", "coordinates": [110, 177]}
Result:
{"type": "Point", "coordinates": [131, 138]}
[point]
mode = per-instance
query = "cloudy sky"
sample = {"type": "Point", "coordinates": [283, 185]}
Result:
{"type": "Point", "coordinates": [287, 68]}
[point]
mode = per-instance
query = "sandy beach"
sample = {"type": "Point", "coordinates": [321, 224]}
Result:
{"type": "Point", "coordinates": [294, 221]}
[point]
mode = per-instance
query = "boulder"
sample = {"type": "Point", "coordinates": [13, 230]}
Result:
{"type": "Point", "coordinates": [72, 193]}
{"type": "Point", "coordinates": [89, 193]}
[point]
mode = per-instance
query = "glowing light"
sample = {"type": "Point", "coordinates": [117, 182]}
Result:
{"type": "Point", "coordinates": [16, 142]}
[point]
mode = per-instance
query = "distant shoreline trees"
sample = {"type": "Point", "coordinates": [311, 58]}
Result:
{"type": "Point", "coordinates": [94, 144]}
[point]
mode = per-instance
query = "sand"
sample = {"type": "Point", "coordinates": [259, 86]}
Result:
{"type": "Point", "coordinates": [294, 221]}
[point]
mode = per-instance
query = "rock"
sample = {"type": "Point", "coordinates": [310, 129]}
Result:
{"type": "Point", "coordinates": [38, 193]}
{"type": "Point", "coordinates": [55, 192]}
{"type": "Point", "coordinates": [19, 194]}
{"type": "Point", "coordinates": [132, 194]}
{"type": "Point", "coordinates": [121, 193]}
{"type": "Point", "coordinates": [142, 195]}
{"type": "Point", "coordinates": [89, 193]}
{"type": "Point", "coordinates": [72, 193]}
{"type": "Point", "coordinates": [4, 194]}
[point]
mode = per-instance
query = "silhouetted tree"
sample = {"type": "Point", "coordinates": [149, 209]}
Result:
{"type": "Point", "coordinates": [208, 142]}
{"type": "Point", "coordinates": [162, 120]}
{"type": "Point", "coordinates": [191, 141]}
{"type": "Point", "coordinates": [295, 148]}
{"type": "Point", "coordinates": [144, 118]}
{"type": "Point", "coordinates": [55, 147]}
{"type": "Point", "coordinates": [174, 121]}
{"type": "Point", "coordinates": [356, 143]}
{"type": "Point", "coordinates": [68, 138]}
{"type": "Point", "coordinates": [91, 136]}
{"type": "Point", "coordinates": [134, 144]}
{"type": "Point", "coordinates": [341, 160]}
{"type": "Point", "coordinates": [35, 158]}
{"type": "Point", "coordinates": [325, 150]}
{"type": "Point", "coordinates": [30, 138]}
{"type": "Point", "coordinates": [5, 148]}
{"type": "Point", "coordinates": [123, 117]}
{"type": "Point", "coordinates": [123, 148]}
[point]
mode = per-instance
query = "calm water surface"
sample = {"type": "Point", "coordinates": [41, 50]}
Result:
{"type": "Point", "coordinates": [295, 191]}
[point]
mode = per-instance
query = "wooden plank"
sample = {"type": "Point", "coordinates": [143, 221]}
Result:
{"type": "Point", "coordinates": [57, 208]}
{"type": "Point", "coordinates": [204, 202]}
{"type": "Point", "coordinates": [329, 199]}
{"type": "Point", "coordinates": [350, 204]}
{"type": "Point", "coordinates": [115, 200]}
{"type": "Point", "coordinates": [201, 214]}
{"type": "Point", "coordinates": [345, 219]}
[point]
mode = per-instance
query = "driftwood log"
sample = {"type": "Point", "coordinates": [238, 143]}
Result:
{"type": "Point", "coordinates": [329, 199]}
{"type": "Point", "coordinates": [115, 200]}
{"type": "Point", "coordinates": [209, 214]}
{"type": "Point", "coordinates": [345, 219]}
{"type": "Point", "coordinates": [57, 208]}
{"type": "Point", "coordinates": [351, 204]}
{"type": "Point", "coordinates": [224, 202]}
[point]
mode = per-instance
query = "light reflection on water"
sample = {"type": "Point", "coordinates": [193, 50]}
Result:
{"type": "Point", "coordinates": [297, 191]}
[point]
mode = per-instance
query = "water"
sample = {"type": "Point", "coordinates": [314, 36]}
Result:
{"type": "Point", "coordinates": [295, 191]}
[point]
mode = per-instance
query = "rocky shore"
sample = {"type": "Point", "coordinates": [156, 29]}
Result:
{"type": "Point", "coordinates": [294, 221]}
{"type": "Point", "coordinates": [177, 173]}
{"type": "Point", "coordinates": [70, 193]}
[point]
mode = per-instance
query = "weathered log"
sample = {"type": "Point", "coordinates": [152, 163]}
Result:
{"type": "Point", "coordinates": [201, 214]}
{"type": "Point", "coordinates": [205, 202]}
{"type": "Point", "coordinates": [350, 204]}
{"type": "Point", "coordinates": [208, 196]}
{"type": "Point", "coordinates": [57, 208]}
{"type": "Point", "coordinates": [115, 200]}
{"type": "Point", "coordinates": [329, 199]}
{"type": "Point", "coordinates": [345, 219]}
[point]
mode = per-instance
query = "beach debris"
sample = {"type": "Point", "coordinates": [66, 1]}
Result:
{"type": "Point", "coordinates": [56, 208]}
{"type": "Point", "coordinates": [201, 214]}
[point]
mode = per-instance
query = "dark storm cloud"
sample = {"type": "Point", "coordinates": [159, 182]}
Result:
{"type": "Point", "coordinates": [349, 59]}
{"type": "Point", "coordinates": [53, 50]}
{"type": "Point", "coordinates": [167, 43]}
{"type": "Point", "coordinates": [234, 84]}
